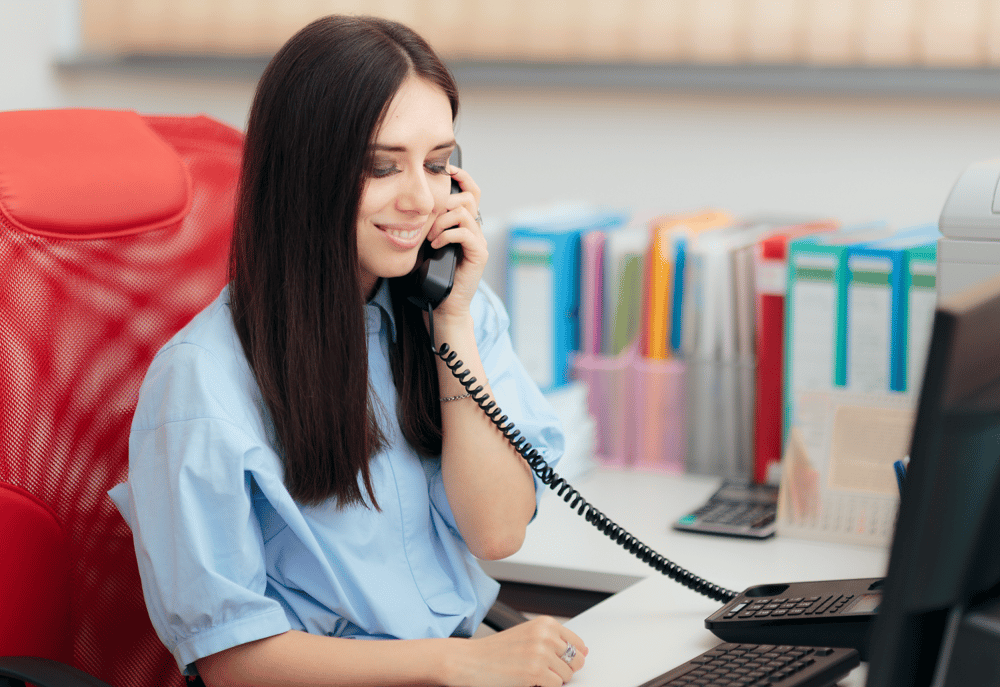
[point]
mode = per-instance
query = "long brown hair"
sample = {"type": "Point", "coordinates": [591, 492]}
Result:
{"type": "Point", "coordinates": [295, 287]}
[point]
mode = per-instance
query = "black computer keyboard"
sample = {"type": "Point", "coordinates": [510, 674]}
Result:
{"type": "Point", "coordinates": [756, 665]}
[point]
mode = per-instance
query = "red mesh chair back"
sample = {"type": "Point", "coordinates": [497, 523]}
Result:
{"type": "Point", "coordinates": [114, 232]}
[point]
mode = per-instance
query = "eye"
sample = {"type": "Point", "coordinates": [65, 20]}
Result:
{"type": "Point", "coordinates": [383, 169]}
{"type": "Point", "coordinates": [437, 167]}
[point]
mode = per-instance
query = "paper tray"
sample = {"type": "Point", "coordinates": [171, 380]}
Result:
{"type": "Point", "coordinates": [638, 406]}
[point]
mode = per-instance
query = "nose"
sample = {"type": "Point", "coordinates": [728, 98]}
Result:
{"type": "Point", "coordinates": [416, 195]}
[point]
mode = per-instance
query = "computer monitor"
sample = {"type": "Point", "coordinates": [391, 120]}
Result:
{"type": "Point", "coordinates": [939, 621]}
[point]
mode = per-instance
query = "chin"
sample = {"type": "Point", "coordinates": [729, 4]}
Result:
{"type": "Point", "coordinates": [399, 270]}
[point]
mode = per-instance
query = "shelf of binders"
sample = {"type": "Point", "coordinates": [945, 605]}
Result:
{"type": "Point", "coordinates": [693, 331]}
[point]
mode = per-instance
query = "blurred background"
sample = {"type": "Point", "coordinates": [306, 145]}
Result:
{"type": "Point", "coordinates": [855, 109]}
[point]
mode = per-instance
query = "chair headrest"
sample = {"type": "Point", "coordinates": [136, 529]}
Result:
{"type": "Point", "coordinates": [87, 174]}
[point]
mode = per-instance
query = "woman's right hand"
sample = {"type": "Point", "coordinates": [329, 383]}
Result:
{"type": "Point", "coordinates": [526, 655]}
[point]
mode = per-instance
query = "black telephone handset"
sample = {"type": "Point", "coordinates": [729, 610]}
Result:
{"type": "Point", "coordinates": [434, 274]}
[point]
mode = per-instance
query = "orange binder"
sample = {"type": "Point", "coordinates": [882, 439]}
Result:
{"type": "Point", "coordinates": [655, 336]}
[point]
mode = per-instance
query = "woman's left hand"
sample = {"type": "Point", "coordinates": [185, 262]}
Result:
{"type": "Point", "coordinates": [533, 653]}
{"type": "Point", "coordinates": [459, 224]}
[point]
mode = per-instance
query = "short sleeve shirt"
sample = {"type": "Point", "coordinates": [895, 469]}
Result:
{"type": "Point", "coordinates": [227, 556]}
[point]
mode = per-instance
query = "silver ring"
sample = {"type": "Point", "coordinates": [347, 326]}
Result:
{"type": "Point", "coordinates": [569, 654]}
{"type": "Point", "coordinates": [479, 218]}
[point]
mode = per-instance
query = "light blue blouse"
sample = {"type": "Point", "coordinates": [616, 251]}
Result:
{"type": "Point", "coordinates": [227, 556]}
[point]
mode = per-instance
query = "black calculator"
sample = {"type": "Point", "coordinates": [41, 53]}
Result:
{"type": "Point", "coordinates": [736, 509]}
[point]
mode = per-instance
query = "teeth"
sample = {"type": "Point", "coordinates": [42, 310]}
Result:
{"type": "Point", "coordinates": [403, 235]}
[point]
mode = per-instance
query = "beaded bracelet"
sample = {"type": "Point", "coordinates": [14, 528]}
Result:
{"type": "Point", "coordinates": [454, 398]}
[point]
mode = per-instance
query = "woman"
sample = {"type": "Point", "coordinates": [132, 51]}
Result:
{"type": "Point", "coordinates": [304, 472]}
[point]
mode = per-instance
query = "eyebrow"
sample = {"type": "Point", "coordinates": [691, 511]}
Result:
{"type": "Point", "coordinates": [403, 149]}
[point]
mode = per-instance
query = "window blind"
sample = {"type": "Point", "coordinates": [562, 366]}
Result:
{"type": "Point", "coordinates": [922, 33]}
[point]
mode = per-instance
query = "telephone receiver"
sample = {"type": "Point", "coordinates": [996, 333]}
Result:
{"type": "Point", "coordinates": [434, 274]}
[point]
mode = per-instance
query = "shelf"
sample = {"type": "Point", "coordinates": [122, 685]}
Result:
{"type": "Point", "coordinates": [740, 79]}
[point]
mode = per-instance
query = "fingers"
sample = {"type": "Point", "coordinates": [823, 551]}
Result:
{"type": "Point", "coordinates": [468, 185]}
{"type": "Point", "coordinates": [579, 652]}
{"type": "Point", "coordinates": [572, 638]}
{"type": "Point", "coordinates": [458, 218]}
{"type": "Point", "coordinates": [558, 640]}
{"type": "Point", "coordinates": [528, 654]}
{"type": "Point", "coordinates": [459, 224]}
{"type": "Point", "coordinates": [460, 209]}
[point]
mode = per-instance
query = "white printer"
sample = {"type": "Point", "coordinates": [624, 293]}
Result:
{"type": "Point", "coordinates": [969, 251]}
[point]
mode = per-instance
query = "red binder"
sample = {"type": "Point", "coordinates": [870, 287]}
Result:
{"type": "Point", "coordinates": [772, 272]}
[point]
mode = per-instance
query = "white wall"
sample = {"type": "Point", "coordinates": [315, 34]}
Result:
{"type": "Point", "coordinates": [853, 158]}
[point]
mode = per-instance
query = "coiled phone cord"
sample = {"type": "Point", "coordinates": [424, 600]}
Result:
{"type": "Point", "coordinates": [568, 494]}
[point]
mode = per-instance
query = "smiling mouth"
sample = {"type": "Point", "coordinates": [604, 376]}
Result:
{"type": "Point", "coordinates": [406, 235]}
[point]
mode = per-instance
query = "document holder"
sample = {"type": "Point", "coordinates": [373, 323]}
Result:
{"type": "Point", "coordinates": [638, 406]}
{"type": "Point", "coordinates": [720, 417]}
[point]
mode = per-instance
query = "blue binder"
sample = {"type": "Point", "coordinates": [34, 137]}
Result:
{"type": "Point", "coordinates": [543, 287]}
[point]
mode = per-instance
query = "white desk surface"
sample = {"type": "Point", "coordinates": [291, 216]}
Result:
{"type": "Point", "coordinates": [653, 624]}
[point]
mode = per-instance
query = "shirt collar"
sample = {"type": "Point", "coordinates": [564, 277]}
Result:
{"type": "Point", "coordinates": [378, 311]}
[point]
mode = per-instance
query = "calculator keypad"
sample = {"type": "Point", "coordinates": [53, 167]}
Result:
{"type": "Point", "coordinates": [736, 509]}
{"type": "Point", "coordinates": [736, 514]}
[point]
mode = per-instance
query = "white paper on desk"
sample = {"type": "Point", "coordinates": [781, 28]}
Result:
{"type": "Point", "coordinates": [838, 482]}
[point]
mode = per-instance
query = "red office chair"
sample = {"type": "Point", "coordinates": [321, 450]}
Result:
{"type": "Point", "coordinates": [114, 232]}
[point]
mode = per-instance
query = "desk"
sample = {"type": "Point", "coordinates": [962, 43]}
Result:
{"type": "Point", "coordinates": [652, 623]}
